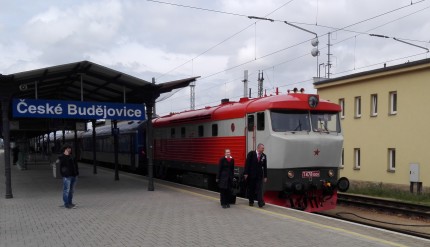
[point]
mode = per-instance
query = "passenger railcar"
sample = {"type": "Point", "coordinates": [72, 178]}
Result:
{"type": "Point", "coordinates": [131, 145]}
{"type": "Point", "coordinates": [301, 133]}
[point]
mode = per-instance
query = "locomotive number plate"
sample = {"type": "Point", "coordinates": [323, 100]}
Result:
{"type": "Point", "coordinates": [310, 174]}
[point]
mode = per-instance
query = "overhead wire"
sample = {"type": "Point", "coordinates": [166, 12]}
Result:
{"type": "Point", "coordinates": [269, 54]}
{"type": "Point", "coordinates": [218, 44]}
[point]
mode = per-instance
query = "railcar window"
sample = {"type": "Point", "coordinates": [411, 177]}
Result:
{"type": "Point", "coordinates": [283, 121]}
{"type": "Point", "coordinates": [214, 129]}
{"type": "Point", "coordinates": [201, 130]}
{"type": "Point", "coordinates": [250, 122]}
{"type": "Point", "coordinates": [124, 144]}
{"type": "Point", "coordinates": [325, 122]}
{"type": "Point", "coordinates": [182, 132]}
{"type": "Point", "coordinates": [260, 121]}
{"type": "Point", "coordinates": [172, 132]}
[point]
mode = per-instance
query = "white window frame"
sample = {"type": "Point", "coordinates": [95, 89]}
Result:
{"type": "Point", "coordinates": [357, 104]}
{"type": "Point", "coordinates": [342, 106]}
{"type": "Point", "coordinates": [357, 159]}
{"type": "Point", "coordinates": [393, 103]}
{"type": "Point", "coordinates": [374, 105]}
{"type": "Point", "coordinates": [391, 159]}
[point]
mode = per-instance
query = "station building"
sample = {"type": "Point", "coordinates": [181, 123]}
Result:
{"type": "Point", "coordinates": [386, 125]}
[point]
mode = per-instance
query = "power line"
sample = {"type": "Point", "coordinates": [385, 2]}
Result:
{"type": "Point", "coordinates": [198, 8]}
{"type": "Point", "coordinates": [223, 41]}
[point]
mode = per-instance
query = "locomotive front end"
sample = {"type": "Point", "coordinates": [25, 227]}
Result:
{"type": "Point", "coordinates": [305, 156]}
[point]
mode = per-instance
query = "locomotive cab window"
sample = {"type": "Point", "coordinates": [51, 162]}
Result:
{"type": "Point", "coordinates": [260, 121]}
{"type": "Point", "coordinates": [214, 129]}
{"type": "Point", "coordinates": [172, 132]}
{"type": "Point", "coordinates": [250, 122]}
{"type": "Point", "coordinates": [182, 132]}
{"type": "Point", "coordinates": [201, 130]}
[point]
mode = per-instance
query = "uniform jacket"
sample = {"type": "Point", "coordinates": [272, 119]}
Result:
{"type": "Point", "coordinates": [225, 173]}
{"type": "Point", "coordinates": [68, 166]}
{"type": "Point", "coordinates": [255, 168]}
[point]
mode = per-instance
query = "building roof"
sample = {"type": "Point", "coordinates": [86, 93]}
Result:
{"type": "Point", "coordinates": [424, 63]}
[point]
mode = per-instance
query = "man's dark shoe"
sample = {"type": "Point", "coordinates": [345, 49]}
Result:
{"type": "Point", "coordinates": [224, 206]}
{"type": "Point", "coordinates": [228, 205]}
{"type": "Point", "coordinates": [251, 204]}
{"type": "Point", "coordinates": [261, 204]}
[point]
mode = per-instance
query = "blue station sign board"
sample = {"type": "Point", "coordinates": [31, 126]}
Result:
{"type": "Point", "coordinates": [35, 108]}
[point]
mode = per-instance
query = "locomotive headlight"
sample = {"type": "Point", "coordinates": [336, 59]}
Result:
{"type": "Point", "coordinates": [330, 173]}
{"type": "Point", "coordinates": [313, 101]}
{"type": "Point", "coordinates": [290, 174]}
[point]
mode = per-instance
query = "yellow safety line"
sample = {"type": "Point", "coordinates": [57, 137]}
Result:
{"type": "Point", "coordinates": [295, 218]}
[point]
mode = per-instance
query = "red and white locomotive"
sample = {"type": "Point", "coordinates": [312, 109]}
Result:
{"type": "Point", "coordinates": [301, 134]}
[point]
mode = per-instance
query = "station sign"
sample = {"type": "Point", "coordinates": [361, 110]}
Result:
{"type": "Point", "coordinates": [35, 108]}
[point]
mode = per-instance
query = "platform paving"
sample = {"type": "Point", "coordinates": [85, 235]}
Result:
{"type": "Point", "coordinates": [125, 213]}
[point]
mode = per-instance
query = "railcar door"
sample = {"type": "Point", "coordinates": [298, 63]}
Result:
{"type": "Point", "coordinates": [255, 126]}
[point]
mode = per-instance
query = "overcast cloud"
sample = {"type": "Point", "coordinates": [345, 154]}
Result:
{"type": "Point", "coordinates": [152, 39]}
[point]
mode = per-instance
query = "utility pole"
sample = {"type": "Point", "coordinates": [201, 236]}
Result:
{"type": "Point", "coordinates": [328, 56]}
{"type": "Point", "coordinates": [260, 84]}
{"type": "Point", "coordinates": [245, 83]}
{"type": "Point", "coordinates": [192, 96]}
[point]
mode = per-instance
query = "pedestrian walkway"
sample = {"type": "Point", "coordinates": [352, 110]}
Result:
{"type": "Point", "coordinates": [125, 213]}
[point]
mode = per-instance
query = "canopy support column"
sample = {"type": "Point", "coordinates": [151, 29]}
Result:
{"type": "Point", "coordinates": [94, 147]}
{"type": "Point", "coordinates": [6, 141]}
{"type": "Point", "coordinates": [149, 147]}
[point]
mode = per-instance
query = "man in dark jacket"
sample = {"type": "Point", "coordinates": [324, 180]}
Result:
{"type": "Point", "coordinates": [255, 173]}
{"type": "Point", "coordinates": [70, 172]}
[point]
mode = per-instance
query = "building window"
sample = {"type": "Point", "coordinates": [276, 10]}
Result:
{"type": "Point", "coordinates": [260, 121]}
{"type": "Point", "coordinates": [358, 107]}
{"type": "Point", "coordinates": [374, 105]}
{"type": "Point", "coordinates": [391, 159]}
{"type": "Point", "coordinates": [172, 132]}
{"type": "Point", "coordinates": [342, 107]}
{"type": "Point", "coordinates": [393, 103]}
{"type": "Point", "coordinates": [214, 129]}
{"type": "Point", "coordinates": [201, 130]}
{"type": "Point", "coordinates": [357, 164]}
{"type": "Point", "coordinates": [182, 132]}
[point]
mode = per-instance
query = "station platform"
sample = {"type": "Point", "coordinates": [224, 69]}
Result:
{"type": "Point", "coordinates": [125, 213]}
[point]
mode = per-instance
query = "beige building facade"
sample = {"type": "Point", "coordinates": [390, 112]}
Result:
{"type": "Point", "coordinates": [386, 124]}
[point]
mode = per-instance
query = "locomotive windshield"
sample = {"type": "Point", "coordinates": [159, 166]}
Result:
{"type": "Point", "coordinates": [292, 121]}
{"type": "Point", "coordinates": [283, 121]}
{"type": "Point", "coordinates": [325, 121]}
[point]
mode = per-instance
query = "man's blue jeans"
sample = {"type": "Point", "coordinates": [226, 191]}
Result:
{"type": "Point", "coordinates": [68, 189]}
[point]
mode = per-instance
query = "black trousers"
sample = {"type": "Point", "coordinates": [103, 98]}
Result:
{"type": "Point", "coordinates": [225, 195]}
{"type": "Point", "coordinates": [255, 190]}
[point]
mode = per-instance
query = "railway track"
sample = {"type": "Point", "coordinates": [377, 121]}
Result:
{"type": "Point", "coordinates": [384, 205]}
{"type": "Point", "coordinates": [396, 212]}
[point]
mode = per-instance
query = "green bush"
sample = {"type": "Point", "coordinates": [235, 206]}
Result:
{"type": "Point", "coordinates": [379, 190]}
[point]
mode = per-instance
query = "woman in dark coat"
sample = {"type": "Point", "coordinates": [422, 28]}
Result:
{"type": "Point", "coordinates": [225, 178]}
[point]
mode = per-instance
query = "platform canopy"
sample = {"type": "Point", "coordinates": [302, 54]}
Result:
{"type": "Point", "coordinates": [81, 81]}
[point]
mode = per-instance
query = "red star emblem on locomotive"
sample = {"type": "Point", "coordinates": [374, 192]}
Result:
{"type": "Point", "coordinates": [316, 152]}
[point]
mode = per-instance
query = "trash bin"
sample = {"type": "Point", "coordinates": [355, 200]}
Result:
{"type": "Point", "coordinates": [56, 168]}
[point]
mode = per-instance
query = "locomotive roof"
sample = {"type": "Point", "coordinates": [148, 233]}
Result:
{"type": "Point", "coordinates": [232, 109]}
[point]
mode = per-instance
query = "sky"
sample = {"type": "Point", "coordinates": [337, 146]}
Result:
{"type": "Point", "coordinates": [216, 40]}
